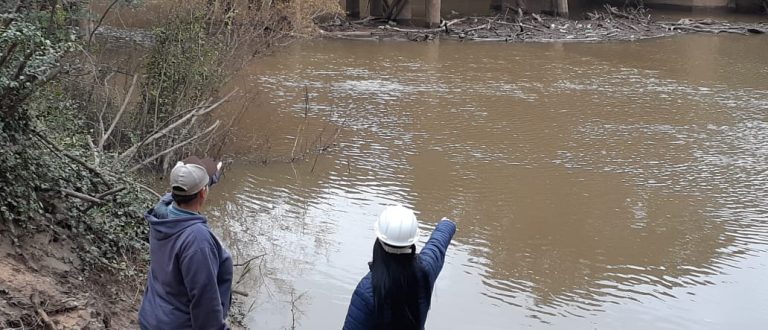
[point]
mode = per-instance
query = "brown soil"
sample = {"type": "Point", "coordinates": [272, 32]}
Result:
{"type": "Point", "coordinates": [607, 25]}
{"type": "Point", "coordinates": [42, 288]}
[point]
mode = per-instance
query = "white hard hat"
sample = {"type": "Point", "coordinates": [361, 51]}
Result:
{"type": "Point", "coordinates": [397, 226]}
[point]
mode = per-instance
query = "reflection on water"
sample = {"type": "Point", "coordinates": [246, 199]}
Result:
{"type": "Point", "coordinates": [595, 185]}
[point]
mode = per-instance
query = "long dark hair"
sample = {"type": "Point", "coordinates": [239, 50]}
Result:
{"type": "Point", "coordinates": [396, 280]}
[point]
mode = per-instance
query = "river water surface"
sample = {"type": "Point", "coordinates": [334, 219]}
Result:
{"type": "Point", "coordinates": [610, 185]}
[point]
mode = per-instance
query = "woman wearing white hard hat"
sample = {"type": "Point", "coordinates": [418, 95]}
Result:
{"type": "Point", "coordinates": [397, 292]}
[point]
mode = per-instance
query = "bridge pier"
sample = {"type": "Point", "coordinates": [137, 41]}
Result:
{"type": "Point", "coordinates": [433, 13]}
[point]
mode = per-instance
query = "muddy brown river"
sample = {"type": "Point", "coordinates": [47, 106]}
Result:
{"type": "Point", "coordinates": [609, 186]}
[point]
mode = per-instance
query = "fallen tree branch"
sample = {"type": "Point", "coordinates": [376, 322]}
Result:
{"type": "Point", "coordinates": [240, 293]}
{"type": "Point", "coordinates": [484, 26]}
{"type": "Point", "coordinates": [172, 119]}
{"type": "Point", "coordinates": [454, 21]}
{"type": "Point", "coordinates": [387, 27]}
{"type": "Point", "coordinates": [102, 195]}
{"type": "Point", "coordinates": [80, 196]}
{"type": "Point", "coordinates": [506, 39]}
{"type": "Point", "coordinates": [249, 260]}
{"type": "Point", "coordinates": [110, 192]}
{"type": "Point", "coordinates": [364, 20]}
{"type": "Point", "coordinates": [68, 305]}
{"type": "Point", "coordinates": [59, 151]}
{"type": "Point", "coordinates": [443, 27]}
{"type": "Point", "coordinates": [617, 12]}
{"type": "Point", "coordinates": [539, 20]}
{"type": "Point", "coordinates": [346, 34]}
{"type": "Point", "coordinates": [147, 189]}
{"type": "Point", "coordinates": [94, 170]}
{"type": "Point", "coordinates": [132, 150]}
{"type": "Point", "coordinates": [714, 30]}
{"type": "Point", "coordinates": [146, 161]}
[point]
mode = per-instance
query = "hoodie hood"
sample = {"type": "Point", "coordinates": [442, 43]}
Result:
{"type": "Point", "coordinates": [162, 226]}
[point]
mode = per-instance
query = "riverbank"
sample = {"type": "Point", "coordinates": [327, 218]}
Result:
{"type": "Point", "coordinates": [609, 24]}
{"type": "Point", "coordinates": [43, 286]}
{"type": "Point", "coordinates": [78, 146]}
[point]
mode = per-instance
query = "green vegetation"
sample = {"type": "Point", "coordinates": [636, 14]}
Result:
{"type": "Point", "coordinates": [43, 142]}
{"type": "Point", "coordinates": [75, 129]}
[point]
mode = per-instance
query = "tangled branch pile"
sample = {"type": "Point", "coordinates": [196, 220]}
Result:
{"type": "Point", "coordinates": [609, 23]}
{"type": "Point", "coordinates": [712, 26]}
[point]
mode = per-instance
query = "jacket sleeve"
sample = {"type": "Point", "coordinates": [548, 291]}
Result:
{"type": "Point", "coordinates": [432, 256]}
{"type": "Point", "coordinates": [360, 313]}
{"type": "Point", "coordinates": [199, 268]}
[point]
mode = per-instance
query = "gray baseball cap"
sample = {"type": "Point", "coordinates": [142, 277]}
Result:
{"type": "Point", "coordinates": [188, 179]}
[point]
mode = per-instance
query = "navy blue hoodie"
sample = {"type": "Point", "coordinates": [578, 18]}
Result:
{"type": "Point", "coordinates": [190, 273]}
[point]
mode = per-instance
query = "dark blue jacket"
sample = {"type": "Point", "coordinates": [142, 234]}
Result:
{"type": "Point", "coordinates": [361, 314]}
{"type": "Point", "coordinates": [190, 273]}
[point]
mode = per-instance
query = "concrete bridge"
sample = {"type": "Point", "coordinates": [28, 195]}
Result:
{"type": "Point", "coordinates": [430, 11]}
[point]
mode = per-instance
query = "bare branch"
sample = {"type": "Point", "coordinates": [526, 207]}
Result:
{"type": "Point", "coordinates": [247, 262]}
{"type": "Point", "coordinates": [240, 293]}
{"type": "Point", "coordinates": [103, 15]}
{"type": "Point", "coordinates": [110, 192]}
{"type": "Point", "coordinates": [119, 113]}
{"type": "Point", "coordinates": [132, 150]}
{"type": "Point", "coordinates": [78, 195]}
{"type": "Point", "coordinates": [94, 170]}
{"type": "Point", "coordinates": [104, 108]}
{"type": "Point", "coordinates": [147, 189]}
{"type": "Point", "coordinates": [58, 150]}
{"type": "Point", "coordinates": [145, 162]}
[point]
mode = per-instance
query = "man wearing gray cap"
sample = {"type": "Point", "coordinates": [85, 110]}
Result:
{"type": "Point", "coordinates": [190, 274]}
